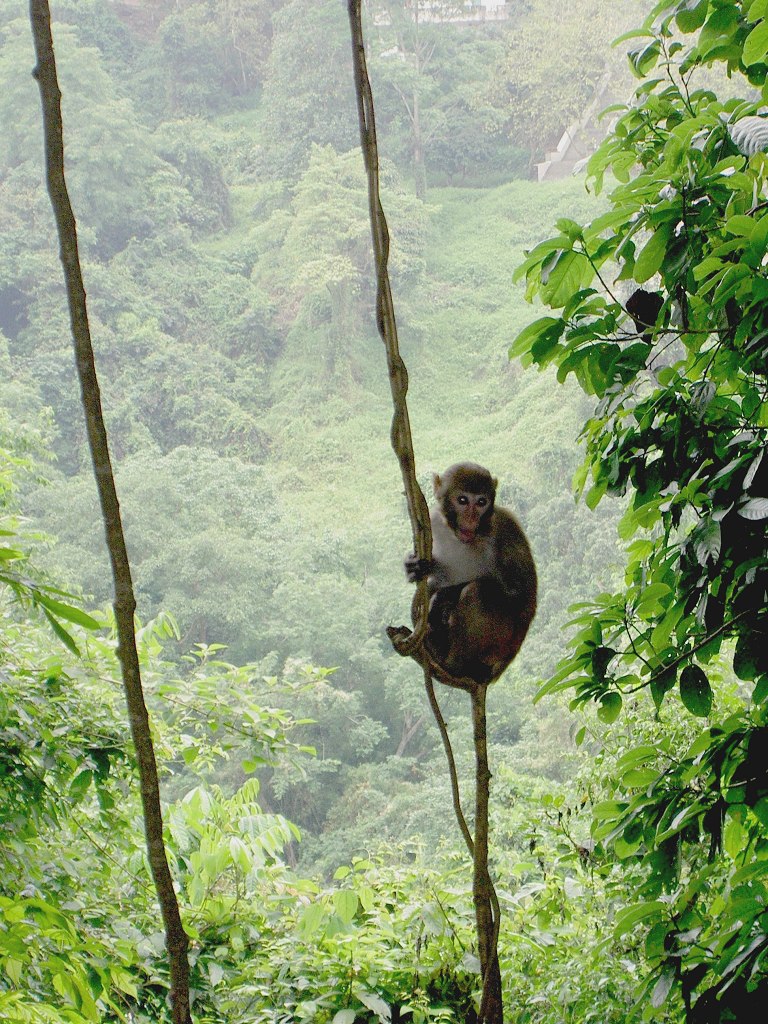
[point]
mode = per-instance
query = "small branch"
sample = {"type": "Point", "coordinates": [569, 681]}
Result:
{"type": "Point", "coordinates": [689, 654]}
{"type": "Point", "coordinates": [451, 762]}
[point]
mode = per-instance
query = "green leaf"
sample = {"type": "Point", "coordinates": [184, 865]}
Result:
{"type": "Point", "coordinates": [707, 541]}
{"type": "Point", "coordinates": [754, 509]}
{"type": "Point", "coordinates": [735, 836]}
{"type": "Point", "coordinates": [80, 783]}
{"type": "Point", "coordinates": [627, 919]}
{"type": "Point", "coordinates": [345, 904]}
{"type": "Point", "coordinates": [567, 272]}
{"type": "Point", "coordinates": [663, 986]}
{"type": "Point", "coordinates": [376, 1004]}
{"type": "Point", "coordinates": [692, 17]}
{"type": "Point", "coordinates": [652, 256]}
{"type": "Point", "coordinates": [756, 45]}
{"type": "Point", "coordinates": [643, 59]}
{"type": "Point", "coordinates": [67, 611]}
{"type": "Point", "coordinates": [695, 691]}
{"type": "Point", "coordinates": [610, 707]}
{"type": "Point", "coordinates": [757, 9]}
{"type": "Point", "coordinates": [649, 603]}
{"type": "Point", "coordinates": [344, 1017]}
{"type": "Point", "coordinates": [312, 917]}
{"type": "Point", "coordinates": [61, 633]}
{"type": "Point", "coordinates": [750, 657]}
{"type": "Point", "coordinates": [548, 327]}
{"type": "Point", "coordinates": [661, 684]}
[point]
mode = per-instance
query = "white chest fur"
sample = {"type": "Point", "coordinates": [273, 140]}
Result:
{"type": "Point", "coordinates": [456, 562]}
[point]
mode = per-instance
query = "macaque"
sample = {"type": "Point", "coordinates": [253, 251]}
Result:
{"type": "Point", "coordinates": [644, 308]}
{"type": "Point", "coordinates": [481, 578]}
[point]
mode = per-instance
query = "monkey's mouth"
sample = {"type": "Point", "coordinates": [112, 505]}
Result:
{"type": "Point", "coordinates": [466, 536]}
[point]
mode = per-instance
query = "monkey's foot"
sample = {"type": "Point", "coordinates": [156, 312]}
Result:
{"type": "Point", "coordinates": [421, 654]}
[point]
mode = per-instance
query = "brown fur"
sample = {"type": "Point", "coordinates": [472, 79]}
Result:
{"type": "Point", "coordinates": [482, 577]}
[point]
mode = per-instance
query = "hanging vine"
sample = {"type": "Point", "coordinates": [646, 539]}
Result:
{"type": "Point", "coordinates": [411, 642]}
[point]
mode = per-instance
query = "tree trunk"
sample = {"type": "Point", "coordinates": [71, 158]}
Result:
{"type": "Point", "coordinates": [125, 603]}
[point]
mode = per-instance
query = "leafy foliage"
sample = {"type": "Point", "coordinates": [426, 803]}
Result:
{"type": "Point", "coordinates": [678, 369]}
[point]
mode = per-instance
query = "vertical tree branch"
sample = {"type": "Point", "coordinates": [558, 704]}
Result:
{"type": "Point", "coordinates": [486, 901]}
{"type": "Point", "coordinates": [402, 444]}
{"type": "Point", "coordinates": [125, 603]}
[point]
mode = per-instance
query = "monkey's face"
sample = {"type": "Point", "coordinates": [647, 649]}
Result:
{"type": "Point", "coordinates": [466, 493]}
{"type": "Point", "coordinates": [467, 514]}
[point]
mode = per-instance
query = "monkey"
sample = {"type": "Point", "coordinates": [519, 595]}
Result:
{"type": "Point", "coordinates": [481, 578]}
{"type": "Point", "coordinates": [644, 308]}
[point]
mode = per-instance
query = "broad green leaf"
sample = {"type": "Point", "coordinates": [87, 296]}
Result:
{"type": "Point", "coordinates": [664, 985]}
{"type": "Point", "coordinates": [755, 10]}
{"type": "Point", "coordinates": [639, 778]}
{"type": "Point", "coordinates": [627, 919]}
{"type": "Point", "coordinates": [80, 783]}
{"type": "Point", "coordinates": [569, 227]}
{"type": "Point", "coordinates": [643, 59]}
{"type": "Point", "coordinates": [740, 225]}
{"type": "Point", "coordinates": [692, 16]}
{"type": "Point", "coordinates": [568, 272]}
{"type": "Point", "coordinates": [312, 918]}
{"type": "Point", "coordinates": [718, 31]}
{"type": "Point", "coordinates": [730, 283]}
{"type": "Point", "coordinates": [610, 707]}
{"type": "Point", "coordinates": [754, 509]}
{"type": "Point", "coordinates": [13, 968]}
{"type": "Point", "coordinates": [376, 1004]}
{"type": "Point", "coordinates": [661, 684]}
{"type": "Point", "coordinates": [649, 602]}
{"type": "Point", "coordinates": [637, 756]}
{"type": "Point", "coordinates": [344, 1017]}
{"type": "Point", "coordinates": [652, 255]}
{"type": "Point", "coordinates": [695, 691]}
{"type": "Point", "coordinates": [707, 541]}
{"type": "Point", "coordinates": [215, 973]}
{"type": "Point", "coordinates": [345, 904]}
{"type": "Point", "coordinates": [760, 810]}
{"type": "Point", "coordinates": [756, 45]}
{"type": "Point", "coordinates": [547, 326]}
{"type": "Point", "coordinates": [735, 837]}
{"type": "Point", "coordinates": [663, 629]}
{"type": "Point", "coordinates": [748, 656]}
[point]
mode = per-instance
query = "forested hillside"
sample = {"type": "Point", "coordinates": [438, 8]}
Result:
{"type": "Point", "coordinates": [212, 153]}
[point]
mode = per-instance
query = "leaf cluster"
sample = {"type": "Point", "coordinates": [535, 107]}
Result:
{"type": "Point", "coordinates": [659, 311]}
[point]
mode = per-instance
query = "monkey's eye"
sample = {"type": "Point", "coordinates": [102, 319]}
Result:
{"type": "Point", "coordinates": [482, 502]}
{"type": "Point", "coordinates": [462, 500]}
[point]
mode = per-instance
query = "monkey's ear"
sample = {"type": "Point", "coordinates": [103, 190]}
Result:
{"type": "Point", "coordinates": [437, 483]}
{"type": "Point", "coordinates": [495, 483]}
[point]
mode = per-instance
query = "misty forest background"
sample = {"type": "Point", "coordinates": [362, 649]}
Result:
{"type": "Point", "coordinates": [213, 160]}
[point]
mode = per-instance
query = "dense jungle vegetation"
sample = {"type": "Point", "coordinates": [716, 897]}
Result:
{"type": "Point", "coordinates": [213, 158]}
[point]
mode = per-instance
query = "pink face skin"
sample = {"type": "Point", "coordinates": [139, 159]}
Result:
{"type": "Point", "coordinates": [469, 509]}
